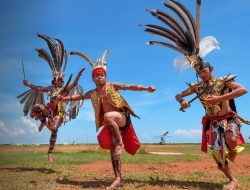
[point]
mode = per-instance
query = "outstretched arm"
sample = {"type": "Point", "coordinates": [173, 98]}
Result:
{"type": "Point", "coordinates": [120, 86]}
{"type": "Point", "coordinates": [76, 79]}
{"type": "Point", "coordinates": [179, 98]}
{"type": "Point", "coordinates": [237, 91]}
{"type": "Point", "coordinates": [34, 87]}
{"type": "Point", "coordinates": [75, 97]}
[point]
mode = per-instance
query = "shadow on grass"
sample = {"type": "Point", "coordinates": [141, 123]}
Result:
{"type": "Point", "coordinates": [84, 184]}
{"type": "Point", "coordinates": [178, 183]}
{"type": "Point", "coordinates": [143, 183]}
{"type": "Point", "coordinates": [26, 169]}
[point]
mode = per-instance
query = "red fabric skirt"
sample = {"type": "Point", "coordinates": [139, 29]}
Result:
{"type": "Point", "coordinates": [204, 142]}
{"type": "Point", "coordinates": [129, 138]}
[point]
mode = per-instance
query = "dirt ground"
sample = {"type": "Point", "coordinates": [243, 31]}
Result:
{"type": "Point", "coordinates": [241, 166]}
{"type": "Point", "coordinates": [104, 169]}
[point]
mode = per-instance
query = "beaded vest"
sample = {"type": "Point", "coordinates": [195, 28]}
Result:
{"type": "Point", "coordinates": [217, 89]}
{"type": "Point", "coordinates": [113, 97]}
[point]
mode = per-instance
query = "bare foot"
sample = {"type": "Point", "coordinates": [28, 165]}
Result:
{"type": "Point", "coordinates": [50, 157]}
{"type": "Point", "coordinates": [117, 183]}
{"type": "Point", "coordinates": [232, 185]}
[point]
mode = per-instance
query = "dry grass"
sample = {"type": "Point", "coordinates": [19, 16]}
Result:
{"type": "Point", "coordinates": [83, 167]}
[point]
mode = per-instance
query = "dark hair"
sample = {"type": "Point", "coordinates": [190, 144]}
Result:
{"type": "Point", "coordinates": [204, 64]}
{"type": "Point", "coordinates": [54, 79]}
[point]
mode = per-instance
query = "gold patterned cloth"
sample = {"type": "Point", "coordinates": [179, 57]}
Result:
{"type": "Point", "coordinates": [216, 87]}
{"type": "Point", "coordinates": [55, 91]}
{"type": "Point", "coordinates": [113, 97]}
{"type": "Point", "coordinates": [56, 110]}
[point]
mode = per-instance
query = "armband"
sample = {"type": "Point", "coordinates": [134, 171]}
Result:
{"type": "Point", "coordinates": [181, 101]}
{"type": "Point", "coordinates": [139, 87]}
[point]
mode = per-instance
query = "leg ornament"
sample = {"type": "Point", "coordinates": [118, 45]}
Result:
{"type": "Point", "coordinates": [232, 133]}
{"type": "Point", "coordinates": [53, 137]}
{"type": "Point", "coordinates": [118, 182]}
{"type": "Point", "coordinates": [116, 164]}
{"type": "Point", "coordinates": [219, 145]}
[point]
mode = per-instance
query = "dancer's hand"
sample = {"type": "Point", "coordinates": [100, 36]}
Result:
{"type": "Point", "coordinates": [212, 100]}
{"type": "Point", "coordinates": [151, 89]}
{"type": "Point", "coordinates": [184, 105]}
{"type": "Point", "coordinates": [26, 83]}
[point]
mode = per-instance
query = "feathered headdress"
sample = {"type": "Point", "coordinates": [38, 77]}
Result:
{"type": "Point", "coordinates": [57, 57]}
{"type": "Point", "coordinates": [99, 65]}
{"type": "Point", "coordinates": [184, 33]}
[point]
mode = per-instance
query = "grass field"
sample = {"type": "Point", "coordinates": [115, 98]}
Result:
{"type": "Point", "coordinates": [84, 167]}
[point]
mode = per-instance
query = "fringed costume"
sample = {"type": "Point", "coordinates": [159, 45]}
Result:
{"type": "Point", "coordinates": [213, 122]}
{"type": "Point", "coordinates": [114, 98]}
{"type": "Point", "coordinates": [221, 119]}
{"type": "Point", "coordinates": [53, 113]}
{"type": "Point", "coordinates": [108, 106]}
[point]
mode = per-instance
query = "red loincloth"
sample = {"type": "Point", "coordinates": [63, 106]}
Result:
{"type": "Point", "coordinates": [129, 138]}
{"type": "Point", "coordinates": [211, 119]}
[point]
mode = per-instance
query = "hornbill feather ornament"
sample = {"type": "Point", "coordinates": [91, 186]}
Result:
{"type": "Point", "coordinates": [100, 62]}
{"type": "Point", "coordinates": [56, 59]}
{"type": "Point", "coordinates": [183, 32]}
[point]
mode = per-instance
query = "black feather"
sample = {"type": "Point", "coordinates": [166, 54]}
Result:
{"type": "Point", "coordinates": [170, 32]}
{"type": "Point", "coordinates": [24, 98]}
{"type": "Point", "coordinates": [184, 17]}
{"type": "Point", "coordinates": [23, 94]}
{"type": "Point", "coordinates": [44, 54]}
{"type": "Point", "coordinates": [179, 49]}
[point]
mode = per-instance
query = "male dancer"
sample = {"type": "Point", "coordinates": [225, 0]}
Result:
{"type": "Point", "coordinates": [221, 127]}
{"type": "Point", "coordinates": [113, 111]}
{"type": "Point", "coordinates": [53, 113]}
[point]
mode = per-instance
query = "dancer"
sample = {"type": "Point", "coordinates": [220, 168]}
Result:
{"type": "Point", "coordinates": [221, 123]}
{"type": "Point", "coordinates": [54, 113]}
{"type": "Point", "coordinates": [112, 112]}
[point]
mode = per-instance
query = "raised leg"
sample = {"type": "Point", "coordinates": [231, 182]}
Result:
{"type": "Point", "coordinates": [115, 121]}
{"type": "Point", "coordinates": [40, 112]}
{"type": "Point", "coordinates": [231, 137]}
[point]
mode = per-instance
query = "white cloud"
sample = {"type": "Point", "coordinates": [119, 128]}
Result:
{"type": "Point", "coordinates": [26, 122]}
{"type": "Point", "coordinates": [23, 126]}
{"type": "Point", "coordinates": [188, 133]}
{"type": "Point", "coordinates": [12, 132]}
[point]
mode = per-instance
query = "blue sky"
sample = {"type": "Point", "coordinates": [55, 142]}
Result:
{"type": "Point", "coordinates": [91, 26]}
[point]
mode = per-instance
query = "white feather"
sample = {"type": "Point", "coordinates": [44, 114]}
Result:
{"type": "Point", "coordinates": [207, 45]}
{"type": "Point", "coordinates": [181, 63]}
